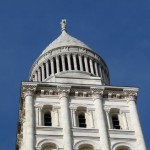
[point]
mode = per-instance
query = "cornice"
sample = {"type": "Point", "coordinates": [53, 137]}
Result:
{"type": "Point", "coordinates": [55, 89]}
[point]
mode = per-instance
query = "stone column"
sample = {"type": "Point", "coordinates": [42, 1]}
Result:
{"type": "Point", "coordinates": [52, 66]}
{"type": "Point", "coordinates": [36, 77]}
{"type": "Point", "coordinates": [75, 62]}
{"type": "Point", "coordinates": [69, 62]}
{"type": "Point", "coordinates": [57, 64]}
{"type": "Point", "coordinates": [101, 121]}
{"type": "Point", "coordinates": [39, 75]}
{"type": "Point", "coordinates": [108, 119]}
{"type": "Point", "coordinates": [96, 69]}
{"type": "Point", "coordinates": [103, 75]}
{"type": "Point", "coordinates": [91, 66]}
{"type": "Point", "coordinates": [136, 123]}
{"type": "Point", "coordinates": [40, 116]}
{"type": "Point", "coordinates": [37, 116]}
{"type": "Point", "coordinates": [24, 134]}
{"type": "Point", "coordinates": [65, 115]}
{"type": "Point", "coordinates": [47, 69]}
{"type": "Point", "coordinates": [80, 62]}
{"type": "Point", "coordinates": [86, 64]}
{"type": "Point", "coordinates": [63, 62]}
{"type": "Point", "coordinates": [74, 124]}
{"type": "Point", "coordinates": [43, 72]}
{"type": "Point", "coordinates": [100, 71]}
{"type": "Point", "coordinates": [29, 117]}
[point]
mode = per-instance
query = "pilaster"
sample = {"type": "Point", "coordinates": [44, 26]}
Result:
{"type": "Point", "coordinates": [65, 115]}
{"type": "Point", "coordinates": [101, 122]}
{"type": "Point", "coordinates": [28, 94]}
{"type": "Point", "coordinates": [131, 100]}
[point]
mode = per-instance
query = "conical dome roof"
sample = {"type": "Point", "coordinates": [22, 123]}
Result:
{"type": "Point", "coordinates": [65, 40]}
{"type": "Point", "coordinates": [67, 59]}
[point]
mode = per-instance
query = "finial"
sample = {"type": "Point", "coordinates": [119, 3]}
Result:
{"type": "Point", "coordinates": [63, 24]}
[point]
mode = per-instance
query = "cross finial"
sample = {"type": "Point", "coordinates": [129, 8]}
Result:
{"type": "Point", "coordinates": [63, 24]}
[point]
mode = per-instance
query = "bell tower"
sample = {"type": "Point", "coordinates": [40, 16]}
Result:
{"type": "Point", "coordinates": [69, 104]}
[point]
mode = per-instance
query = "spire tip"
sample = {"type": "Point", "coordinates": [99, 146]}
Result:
{"type": "Point", "coordinates": [63, 24]}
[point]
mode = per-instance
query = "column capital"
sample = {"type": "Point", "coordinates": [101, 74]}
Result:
{"type": "Point", "coordinates": [63, 55]}
{"type": "Point", "coordinates": [80, 55]}
{"type": "Point", "coordinates": [107, 110]}
{"type": "Point", "coordinates": [74, 54]}
{"type": "Point", "coordinates": [97, 93]}
{"type": "Point", "coordinates": [130, 94]}
{"type": "Point", "coordinates": [91, 58]}
{"type": "Point", "coordinates": [130, 98]}
{"type": "Point", "coordinates": [63, 91]}
{"type": "Point", "coordinates": [28, 90]}
{"type": "Point", "coordinates": [52, 60]}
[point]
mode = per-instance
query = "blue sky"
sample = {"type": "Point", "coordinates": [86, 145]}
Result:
{"type": "Point", "coordinates": [119, 30]}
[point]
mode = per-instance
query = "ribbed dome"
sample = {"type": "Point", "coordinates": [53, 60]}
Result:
{"type": "Point", "coordinates": [65, 40]}
{"type": "Point", "coordinates": [67, 60]}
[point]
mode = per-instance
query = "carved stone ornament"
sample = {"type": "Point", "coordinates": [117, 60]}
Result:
{"type": "Point", "coordinates": [130, 95]}
{"type": "Point", "coordinates": [130, 92]}
{"type": "Point", "coordinates": [19, 139]}
{"type": "Point", "coordinates": [63, 91]}
{"type": "Point", "coordinates": [97, 92]}
{"type": "Point", "coordinates": [28, 90]}
{"type": "Point", "coordinates": [131, 98]}
{"type": "Point", "coordinates": [63, 24]}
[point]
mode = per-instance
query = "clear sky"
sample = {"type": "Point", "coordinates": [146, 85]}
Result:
{"type": "Point", "coordinates": [119, 30]}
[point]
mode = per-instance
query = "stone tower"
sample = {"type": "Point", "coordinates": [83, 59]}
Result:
{"type": "Point", "coordinates": [69, 104]}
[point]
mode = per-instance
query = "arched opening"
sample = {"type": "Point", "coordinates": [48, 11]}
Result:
{"type": "Point", "coordinates": [123, 148]}
{"type": "Point", "coordinates": [115, 118]}
{"type": "Point", "coordinates": [115, 121]}
{"type": "Point", "coordinates": [47, 119]}
{"type": "Point", "coordinates": [82, 120]}
{"type": "Point", "coordinates": [50, 146]}
{"type": "Point", "coordinates": [86, 147]}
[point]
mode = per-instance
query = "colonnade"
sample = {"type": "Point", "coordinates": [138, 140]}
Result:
{"type": "Point", "coordinates": [28, 132]}
{"type": "Point", "coordinates": [68, 62]}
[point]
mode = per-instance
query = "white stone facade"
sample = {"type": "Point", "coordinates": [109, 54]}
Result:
{"type": "Point", "coordinates": [68, 103]}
